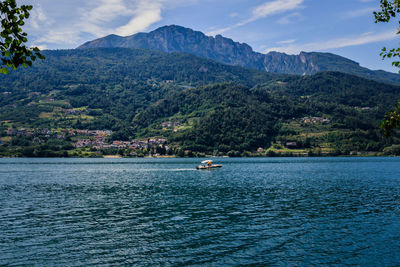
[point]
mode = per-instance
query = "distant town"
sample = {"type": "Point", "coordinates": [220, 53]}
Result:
{"type": "Point", "coordinates": [95, 140]}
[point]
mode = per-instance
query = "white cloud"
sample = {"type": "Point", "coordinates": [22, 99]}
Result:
{"type": "Point", "coordinates": [290, 18]}
{"type": "Point", "coordinates": [275, 7]}
{"type": "Point", "coordinates": [65, 36]}
{"type": "Point", "coordinates": [219, 31]}
{"type": "Point", "coordinates": [38, 17]}
{"type": "Point", "coordinates": [145, 15]}
{"type": "Point", "coordinates": [262, 11]}
{"type": "Point", "coordinates": [77, 21]}
{"type": "Point", "coordinates": [291, 41]}
{"type": "Point", "coordinates": [367, 33]}
{"type": "Point", "coordinates": [97, 20]}
{"type": "Point", "coordinates": [335, 43]}
{"type": "Point", "coordinates": [137, 16]}
{"type": "Point", "coordinates": [359, 12]}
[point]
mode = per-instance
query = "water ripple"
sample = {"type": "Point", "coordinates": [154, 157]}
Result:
{"type": "Point", "coordinates": [163, 212]}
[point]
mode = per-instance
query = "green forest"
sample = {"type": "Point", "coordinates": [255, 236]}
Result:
{"type": "Point", "coordinates": [132, 102]}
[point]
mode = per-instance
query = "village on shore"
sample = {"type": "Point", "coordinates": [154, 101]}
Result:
{"type": "Point", "coordinates": [99, 143]}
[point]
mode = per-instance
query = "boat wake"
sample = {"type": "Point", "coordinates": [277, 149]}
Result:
{"type": "Point", "coordinates": [180, 170]}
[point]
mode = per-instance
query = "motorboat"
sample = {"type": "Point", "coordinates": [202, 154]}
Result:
{"type": "Point", "coordinates": [207, 165]}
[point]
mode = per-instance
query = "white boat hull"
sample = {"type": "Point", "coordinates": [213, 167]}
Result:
{"type": "Point", "coordinates": [201, 167]}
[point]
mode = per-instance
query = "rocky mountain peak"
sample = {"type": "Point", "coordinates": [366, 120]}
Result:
{"type": "Point", "coordinates": [175, 38]}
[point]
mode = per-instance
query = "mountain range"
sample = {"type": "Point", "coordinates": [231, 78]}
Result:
{"type": "Point", "coordinates": [200, 95]}
{"type": "Point", "coordinates": [175, 38]}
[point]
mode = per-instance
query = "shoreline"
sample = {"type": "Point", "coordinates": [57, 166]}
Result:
{"type": "Point", "coordinates": [175, 157]}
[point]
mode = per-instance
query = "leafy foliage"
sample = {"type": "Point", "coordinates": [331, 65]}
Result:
{"type": "Point", "coordinates": [13, 51]}
{"type": "Point", "coordinates": [389, 9]}
{"type": "Point", "coordinates": [392, 121]}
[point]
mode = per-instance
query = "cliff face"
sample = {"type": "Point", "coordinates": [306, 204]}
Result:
{"type": "Point", "coordinates": [180, 39]}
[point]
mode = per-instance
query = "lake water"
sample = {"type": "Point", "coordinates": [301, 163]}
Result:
{"type": "Point", "coordinates": [266, 211]}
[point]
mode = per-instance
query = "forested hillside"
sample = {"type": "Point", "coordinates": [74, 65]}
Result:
{"type": "Point", "coordinates": [310, 111]}
{"type": "Point", "coordinates": [134, 102]}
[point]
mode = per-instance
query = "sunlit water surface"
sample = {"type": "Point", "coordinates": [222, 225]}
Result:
{"type": "Point", "coordinates": [267, 211]}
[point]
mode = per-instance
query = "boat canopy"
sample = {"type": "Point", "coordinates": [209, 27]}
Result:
{"type": "Point", "coordinates": [206, 161]}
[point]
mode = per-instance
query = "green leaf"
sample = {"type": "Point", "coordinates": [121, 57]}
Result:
{"type": "Point", "coordinates": [4, 70]}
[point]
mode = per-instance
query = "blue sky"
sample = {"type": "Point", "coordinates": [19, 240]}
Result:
{"type": "Point", "coordinates": [344, 27]}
